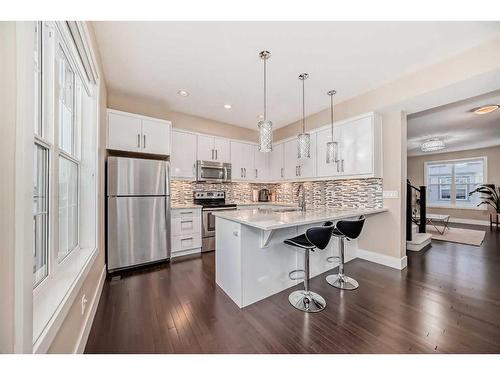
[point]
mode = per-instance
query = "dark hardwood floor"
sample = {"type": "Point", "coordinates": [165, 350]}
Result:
{"type": "Point", "coordinates": [446, 301]}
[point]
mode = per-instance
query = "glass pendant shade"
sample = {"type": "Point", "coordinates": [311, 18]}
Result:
{"type": "Point", "coordinates": [332, 152]}
{"type": "Point", "coordinates": [304, 146]}
{"type": "Point", "coordinates": [265, 136]}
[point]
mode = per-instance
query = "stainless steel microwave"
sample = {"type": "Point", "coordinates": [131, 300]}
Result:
{"type": "Point", "coordinates": [212, 171]}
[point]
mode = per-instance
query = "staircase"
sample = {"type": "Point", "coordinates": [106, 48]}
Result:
{"type": "Point", "coordinates": [419, 241]}
{"type": "Point", "coordinates": [416, 237]}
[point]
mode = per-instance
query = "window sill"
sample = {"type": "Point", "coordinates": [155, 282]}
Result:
{"type": "Point", "coordinates": [51, 306]}
{"type": "Point", "coordinates": [456, 207]}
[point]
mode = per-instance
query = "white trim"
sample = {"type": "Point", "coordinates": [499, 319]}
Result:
{"type": "Point", "coordinates": [469, 221]}
{"type": "Point", "coordinates": [47, 335]}
{"type": "Point", "coordinates": [84, 333]}
{"type": "Point", "coordinates": [386, 260]}
{"type": "Point", "coordinates": [23, 260]}
{"type": "Point", "coordinates": [177, 254]}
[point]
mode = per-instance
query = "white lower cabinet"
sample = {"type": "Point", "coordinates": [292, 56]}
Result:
{"type": "Point", "coordinates": [185, 231]}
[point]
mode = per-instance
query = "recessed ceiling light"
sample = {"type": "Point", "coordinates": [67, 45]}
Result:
{"type": "Point", "coordinates": [486, 109]}
{"type": "Point", "coordinates": [183, 93]}
{"type": "Point", "coordinates": [227, 106]}
{"type": "Point", "coordinates": [432, 145]}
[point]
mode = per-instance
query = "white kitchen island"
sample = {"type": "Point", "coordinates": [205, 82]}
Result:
{"type": "Point", "coordinates": [253, 263]}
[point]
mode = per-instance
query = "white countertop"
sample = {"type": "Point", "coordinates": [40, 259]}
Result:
{"type": "Point", "coordinates": [180, 206]}
{"type": "Point", "coordinates": [251, 203]}
{"type": "Point", "coordinates": [269, 220]}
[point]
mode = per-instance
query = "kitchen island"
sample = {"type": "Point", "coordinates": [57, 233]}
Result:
{"type": "Point", "coordinates": [253, 263]}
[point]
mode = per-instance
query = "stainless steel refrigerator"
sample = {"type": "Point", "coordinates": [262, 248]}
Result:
{"type": "Point", "coordinates": [138, 212]}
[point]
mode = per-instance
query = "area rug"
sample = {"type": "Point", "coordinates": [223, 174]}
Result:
{"type": "Point", "coordinates": [458, 235]}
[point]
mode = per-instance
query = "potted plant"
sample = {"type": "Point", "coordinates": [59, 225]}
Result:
{"type": "Point", "coordinates": [490, 196]}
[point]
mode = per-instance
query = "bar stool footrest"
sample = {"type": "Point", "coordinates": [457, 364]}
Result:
{"type": "Point", "coordinates": [333, 259]}
{"type": "Point", "coordinates": [292, 275]}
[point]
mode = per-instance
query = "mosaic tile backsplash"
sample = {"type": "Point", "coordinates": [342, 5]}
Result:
{"type": "Point", "coordinates": [364, 193]}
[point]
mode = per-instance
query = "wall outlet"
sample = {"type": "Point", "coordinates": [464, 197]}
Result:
{"type": "Point", "coordinates": [84, 303]}
{"type": "Point", "coordinates": [391, 194]}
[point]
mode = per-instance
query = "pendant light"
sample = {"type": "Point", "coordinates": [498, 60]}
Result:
{"type": "Point", "coordinates": [303, 139]}
{"type": "Point", "coordinates": [265, 126]}
{"type": "Point", "coordinates": [332, 147]}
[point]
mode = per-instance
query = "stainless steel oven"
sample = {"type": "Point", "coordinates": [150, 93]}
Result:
{"type": "Point", "coordinates": [208, 227]}
{"type": "Point", "coordinates": [212, 171]}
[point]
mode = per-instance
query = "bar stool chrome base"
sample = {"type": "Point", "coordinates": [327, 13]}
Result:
{"type": "Point", "coordinates": [307, 301]}
{"type": "Point", "coordinates": [342, 282]}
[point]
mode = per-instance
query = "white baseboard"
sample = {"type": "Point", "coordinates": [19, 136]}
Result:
{"type": "Point", "coordinates": [386, 260]}
{"type": "Point", "coordinates": [185, 252]}
{"type": "Point", "coordinates": [469, 221]}
{"type": "Point", "coordinates": [84, 334]}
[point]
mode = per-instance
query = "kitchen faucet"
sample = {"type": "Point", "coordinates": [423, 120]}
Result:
{"type": "Point", "coordinates": [301, 196]}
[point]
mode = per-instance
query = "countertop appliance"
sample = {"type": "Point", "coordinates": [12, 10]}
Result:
{"type": "Point", "coordinates": [264, 195]}
{"type": "Point", "coordinates": [210, 201]}
{"type": "Point", "coordinates": [138, 214]}
{"type": "Point", "coordinates": [213, 171]}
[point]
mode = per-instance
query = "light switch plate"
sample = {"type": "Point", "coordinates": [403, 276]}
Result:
{"type": "Point", "coordinates": [391, 194]}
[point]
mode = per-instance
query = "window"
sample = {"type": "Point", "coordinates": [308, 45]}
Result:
{"type": "Point", "coordinates": [450, 182]}
{"type": "Point", "coordinates": [40, 213]}
{"type": "Point", "coordinates": [65, 117]}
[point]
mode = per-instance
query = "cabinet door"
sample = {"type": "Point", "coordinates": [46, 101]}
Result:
{"type": "Point", "coordinates": [307, 167]}
{"type": "Point", "coordinates": [276, 167]}
{"type": "Point", "coordinates": [357, 147]}
{"type": "Point", "coordinates": [155, 137]}
{"type": "Point", "coordinates": [222, 150]}
{"type": "Point", "coordinates": [205, 149]}
{"type": "Point", "coordinates": [261, 164]}
{"type": "Point", "coordinates": [322, 138]}
{"type": "Point", "coordinates": [124, 132]}
{"type": "Point", "coordinates": [291, 160]}
{"type": "Point", "coordinates": [183, 159]}
{"type": "Point", "coordinates": [242, 161]}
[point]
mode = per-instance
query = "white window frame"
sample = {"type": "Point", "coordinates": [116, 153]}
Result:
{"type": "Point", "coordinates": [68, 282]}
{"type": "Point", "coordinates": [453, 201]}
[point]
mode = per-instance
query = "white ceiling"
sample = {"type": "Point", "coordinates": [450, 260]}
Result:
{"type": "Point", "coordinates": [218, 63]}
{"type": "Point", "coordinates": [456, 125]}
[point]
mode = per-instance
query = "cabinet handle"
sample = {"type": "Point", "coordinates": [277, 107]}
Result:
{"type": "Point", "coordinates": [300, 170]}
{"type": "Point", "coordinates": [138, 141]}
{"type": "Point", "coordinates": [213, 154]}
{"type": "Point", "coordinates": [256, 173]}
{"type": "Point", "coordinates": [338, 166]}
{"type": "Point", "coordinates": [241, 172]}
{"type": "Point", "coordinates": [186, 221]}
{"type": "Point", "coordinates": [216, 154]}
{"type": "Point", "coordinates": [144, 145]}
{"type": "Point", "coordinates": [194, 170]}
{"type": "Point", "coordinates": [342, 165]}
{"type": "Point", "coordinates": [186, 213]}
{"type": "Point", "coordinates": [245, 171]}
{"type": "Point", "coordinates": [281, 172]}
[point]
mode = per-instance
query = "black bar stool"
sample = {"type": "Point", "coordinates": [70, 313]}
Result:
{"type": "Point", "coordinates": [314, 238]}
{"type": "Point", "coordinates": [345, 230]}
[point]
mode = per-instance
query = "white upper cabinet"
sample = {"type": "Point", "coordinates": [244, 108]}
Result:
{"type": "Point", "coordinates": [205, 148]}
{"type": "Point", "coordinates": [323, 137]}
{"type": "Point", "coordinates": [360, 148]}
{"type": "Point", "coordinates": [261, 164]}
{"type": "Point", "coordinates": [276, 163]}
{"type": "Point", "coordinates": [155, 137]}
{"type": "Point", "coordinates": [222, 150]}
{"type": "Point", "coordinates": [124, 132]}
{"type": "Point", "coordinates": [296, 168]}
{"type": "Point", "coordinates": [356, 149]}
{"type": "Point", "coordinates": [214, 149]}
{"type": "Point", "coordinates": [183, 158]}
{"type": "Point", "coordinates": [131, 132]}
{"type": "Point", "coordinates": [242, 161]}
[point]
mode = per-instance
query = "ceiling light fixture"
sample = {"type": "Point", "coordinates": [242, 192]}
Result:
{"type": "Point", "coordinates": [183, 93]}
{"type": "Point", "coordinates": [265, 126]}
{"type": "Point", "coordinates": [486, 109]}
{"type": "Point", "coordinates": [227, 106]}
{"type": "Point", "coordinates": [332, 147]}
{"type": "Point", "coordinates": [303, 139]}
{"type": "Point", "coordinates": [434, 144]}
